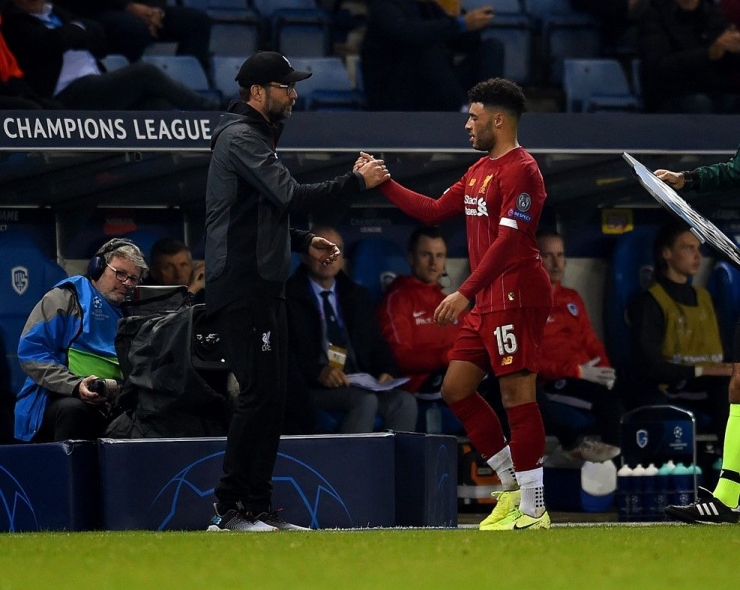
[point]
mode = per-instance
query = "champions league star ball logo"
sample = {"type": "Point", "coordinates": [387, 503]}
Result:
{"type": "Point", "coordinates": [305, 490]}
{"type": "Point", "coordinates": [16, 511]}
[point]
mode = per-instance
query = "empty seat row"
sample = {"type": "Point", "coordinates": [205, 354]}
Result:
{"type": "Point", "coordinates": [329, 88]}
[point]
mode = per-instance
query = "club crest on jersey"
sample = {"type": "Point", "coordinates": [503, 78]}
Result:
{"type": "Point", "coordinates": [573, 309]}
{"type": "Point", "coordinates": [484, 186]}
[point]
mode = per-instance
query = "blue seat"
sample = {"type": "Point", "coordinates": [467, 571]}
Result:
{"type": "Point", "coordinates": [565, 36]}
{"type": "Point", "coordinates": [593, 85]}
{"type": "Point", "coordinates": [31, 274]}
{"type": "Point", "coordinates": [375, 263]}
{"type": "Point", "coordinates": [186, 69]}
{"type": "Point", "coordinates": [236, 37]}
{"type": "Point", "coordinates": [267, 7]}
{"type": "Point", "coordinates": [629, 273]}
{"type": "Point", "coordinates": [301, 32]}
{"type": "Point", "coordinates": [329, 88]}
{"type": "Point", "coordinates": [499, 6]}
{"type": "Point", "coordinates": [223, 70]}
{"type": "Point", "coordinates": [724, 286]}
{"type": "Point", "coordinates": [114, 61]}
{"type": "Point", "coordinates": [514, 30]}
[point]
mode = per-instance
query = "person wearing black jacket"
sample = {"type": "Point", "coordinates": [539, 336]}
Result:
{"type": "Point", "coordinates": [690, 58]}
{"type": "Point", "coordinates": [250, 196]}
{"type": "Point", "coordinates": [416, 57]}
{"type": "Point", "coordinates": [59, 53]}
{"type": "Point", "coordinates": [362, 346]}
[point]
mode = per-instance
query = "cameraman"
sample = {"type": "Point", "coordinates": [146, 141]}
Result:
{"type": "Point", "coordinates": [67, 345]}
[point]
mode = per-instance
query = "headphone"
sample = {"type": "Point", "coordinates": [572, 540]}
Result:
{"type": "Point", "coordinates": [97, 264]}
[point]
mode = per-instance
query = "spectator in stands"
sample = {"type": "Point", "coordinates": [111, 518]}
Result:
{"type": "Point", "coordinates": [171, 263]}
{"type": "Point", "coordinates": [615, 17]}
{"type": "Point", "coordinates": [406, 316]}
{"type": "Point", "coordinates": [416, 57]}
{"type": "Point", "coordinates": [677, 348]}
{"type": "Point", "coordinates": [15, 93]}
{"type": "Point", "coordinates": [58, 53]}
{"type": "Point", "coordinates": [690, 58]}
{"type": "Point", "coordinates": [333, 334]}
{"type": "Point", "coordinates": [68, 343]}
{"type": "Point", "coordinates": [574, 367]}
{"type": "Point", "coordinates": [130, 27]}
{"type": "Point", "coordinates": [722, 505]}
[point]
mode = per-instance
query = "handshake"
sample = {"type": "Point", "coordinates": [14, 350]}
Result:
{"type": "Point", "coordinates": [373, 171]}
{"type": "Point", "coordinates": [605, 376]}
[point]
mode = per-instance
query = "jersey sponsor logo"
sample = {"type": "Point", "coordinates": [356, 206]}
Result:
{"type": "Point", "coordinates": [418, 314]}
{"type": "Point", "coordinates": [573, 309]}
{"type": "Point", "coordinates": [479, 209]}
{"type": "Point", "coordinates": [19, 279]}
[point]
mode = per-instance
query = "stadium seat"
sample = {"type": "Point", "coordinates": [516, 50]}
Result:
{"type": "Point", "coordinates": [499, 6]}
{"type": "Point", "coordinates": [186, 69]}
{"type": "Point", "coordinates": [267, 7]}
{"type": "Point", "coordinates": [114, 61]}
{"type": "Point", "coordinates": [630, 271]}
{"type": "Point", "coordinates": [235, 38]}
{"type": "Point", "coordinates": [574, 35]}
{"type": "Point", "coordinates": [375, 263]}
{"type": "Point", "coordinates": [301, 32]}
{"type": "Point", "coordinates": [28, 274]}
{"type": "Point", "coordinates": [515, 32]}
{"type": "Point", "coordinates": [724, 286]}
{"type": "Point", "coordinates": [329, 88]}
{"type": "Point", "coordinates": [223, 70]}
{"type": "Point", "coordinates": [592, 85]}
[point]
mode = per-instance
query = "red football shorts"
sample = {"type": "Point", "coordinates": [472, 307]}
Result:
{"type": "Point", "coordinates": [502, 342]}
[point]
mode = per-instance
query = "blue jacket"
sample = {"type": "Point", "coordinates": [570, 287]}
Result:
{"type": "Point", "coordinates": [70, 334]}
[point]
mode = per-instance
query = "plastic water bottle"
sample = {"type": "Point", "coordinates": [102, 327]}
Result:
{"type": "Point", "coordinates": [650, 490]}
{"type": "Point", "coordinates": [624, 492]}
{"type": "Point", "coordinates": [664, 487]}
{"type": "Point", "coordinates": [638, 493]}
{"type": "Point", "coordinates": [434, 419]}
{"type": "Point", "coordinates": [683, 485]}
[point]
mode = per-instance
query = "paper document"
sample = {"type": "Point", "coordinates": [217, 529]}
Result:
{"type": "Point", "coordinates": [367, 381]}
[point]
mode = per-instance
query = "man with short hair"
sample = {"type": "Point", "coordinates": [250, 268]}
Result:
{"type": "Point", "coordinates": [501, 196]}
{"type": "Point", "coordinates": [320, 299]}
{"type": "Point", "coordinates": [574, 367]}
{"type": "Point", "coordinates": [406, 313]}
{"type": "Point", "coordinates": [68, 343]}
{"type": "Point", "coordinates": [171, 263]}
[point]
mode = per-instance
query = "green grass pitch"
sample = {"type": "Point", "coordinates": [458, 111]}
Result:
{"type": "Point", "coordinates": [592, 557]}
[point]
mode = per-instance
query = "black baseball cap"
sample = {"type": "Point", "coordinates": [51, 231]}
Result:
{"type": "Point", "coordinates": [268, 66]}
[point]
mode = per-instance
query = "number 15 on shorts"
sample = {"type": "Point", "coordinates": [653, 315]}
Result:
{"type": "Point", "coordinates": [505, 339]}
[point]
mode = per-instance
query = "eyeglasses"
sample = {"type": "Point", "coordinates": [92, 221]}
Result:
{"type": "Point", "coordinates": [124, 276]}
{"type": "Point", "coordinates": [287, 87]}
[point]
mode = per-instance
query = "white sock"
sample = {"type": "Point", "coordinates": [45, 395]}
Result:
{"type": "Point", "coordinates": [533, 492]}
{"type": "Point", "coordinates": [502, 464]}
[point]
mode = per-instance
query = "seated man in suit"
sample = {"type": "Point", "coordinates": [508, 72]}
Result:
{"type": "Point", "coordinates": [676, 341]}
{"type": "Point", "coordinates": [333, 334]}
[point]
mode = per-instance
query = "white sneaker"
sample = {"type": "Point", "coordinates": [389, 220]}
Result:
{"type": "Point", "coordinates": [594, 450]}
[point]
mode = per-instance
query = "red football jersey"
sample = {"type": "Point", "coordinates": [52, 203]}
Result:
{"type": "Point", "coordinates": [502, 200]}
